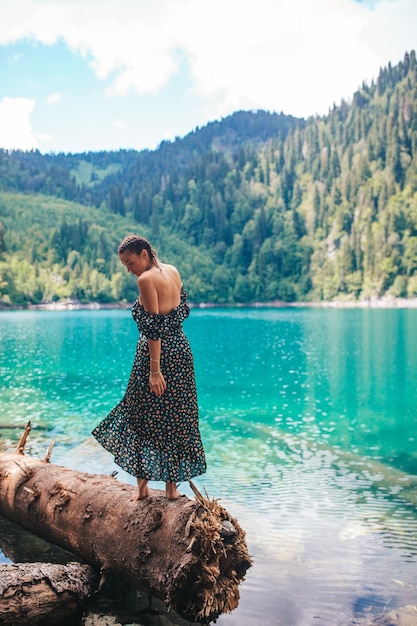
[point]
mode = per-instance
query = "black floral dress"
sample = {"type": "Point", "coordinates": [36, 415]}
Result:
{"type": "Point", "coordinates": [151, 437]}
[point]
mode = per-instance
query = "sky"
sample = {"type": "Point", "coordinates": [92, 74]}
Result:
{"type": "Point", "coordinates": [90, 75]}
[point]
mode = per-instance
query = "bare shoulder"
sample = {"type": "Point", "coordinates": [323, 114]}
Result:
{"type": "Point", "coordinates": [171, 268]}
{"type": "Point", "coordinates": [145, 279]}
{"type": "Point", "coordinates": [148, 290]}
{"type": "Point", "coordinates": [148, 282]}
{"type": "Point", "coordinates": [171, 273]}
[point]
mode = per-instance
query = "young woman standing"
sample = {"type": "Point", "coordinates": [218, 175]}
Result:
{"type": "Point", "coordinates": [153, 432]}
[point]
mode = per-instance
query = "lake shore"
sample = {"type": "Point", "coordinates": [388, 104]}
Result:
{"type": "Point", "coordinates": [387, 302]}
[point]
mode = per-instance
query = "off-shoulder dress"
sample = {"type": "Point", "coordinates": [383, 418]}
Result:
{"type": "Point", "coordinates": [151, 437]}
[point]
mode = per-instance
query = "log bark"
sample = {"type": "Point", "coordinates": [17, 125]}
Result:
{"type": "Point", "coordinates": [31, 592]}
{"type": "Point", "coordinates": [22, 546]}
{"type": "Point", "coordinates": [190, 553]}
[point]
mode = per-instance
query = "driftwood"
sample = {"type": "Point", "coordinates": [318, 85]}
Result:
{"type": "Point", "coordinates": [31, 592]}
{"type": "Point", "coordinates": [190, 553]}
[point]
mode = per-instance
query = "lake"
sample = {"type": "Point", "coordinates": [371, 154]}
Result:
{"type": "Point", "coordinates": [309, 421]}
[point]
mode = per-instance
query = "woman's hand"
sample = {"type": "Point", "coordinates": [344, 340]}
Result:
{"type": "Point", "coordinates": [157, 383]}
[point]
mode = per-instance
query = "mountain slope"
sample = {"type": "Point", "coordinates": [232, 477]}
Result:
{"type": "Point", "coordinates": [274, 208]}
{"type": "Point", "coordinates": [88, 177]}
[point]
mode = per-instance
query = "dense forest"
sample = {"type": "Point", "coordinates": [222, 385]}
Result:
{"type": "Point", "coordinates": [257, 207]}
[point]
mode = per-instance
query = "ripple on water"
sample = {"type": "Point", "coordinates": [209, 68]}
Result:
{"type": "Point", "coordinates": [324, 528]}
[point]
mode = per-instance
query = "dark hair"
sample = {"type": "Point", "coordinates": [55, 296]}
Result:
{"type": "Point", "coordinates": [136, 243]}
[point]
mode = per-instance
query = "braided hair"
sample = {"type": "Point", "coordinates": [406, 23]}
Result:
{"type": "Point", "coordinates": [135, 244]}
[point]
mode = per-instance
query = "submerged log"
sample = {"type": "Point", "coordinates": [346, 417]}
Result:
{"type": "Point", "coordinates": [190, 553]}
{"type": "Point", "coordinates": [31, 592]}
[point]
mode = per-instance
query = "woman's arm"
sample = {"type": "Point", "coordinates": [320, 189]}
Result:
{"type": "Point", "coordinates": [150, 302]}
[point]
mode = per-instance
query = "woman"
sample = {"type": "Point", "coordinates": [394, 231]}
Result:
{"type": "Point", "coordinates": [153, 432]}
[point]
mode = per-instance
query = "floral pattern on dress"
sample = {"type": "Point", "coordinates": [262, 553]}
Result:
{"type": "Point", "coordinates": [151, 437]}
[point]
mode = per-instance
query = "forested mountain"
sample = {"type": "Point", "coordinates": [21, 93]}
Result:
{"type": "Point", "coordinates": [256, 207]}
{"type": "Point", "coordinates": [90, 178]}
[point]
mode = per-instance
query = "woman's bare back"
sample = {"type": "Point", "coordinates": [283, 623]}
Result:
{"type": "Point", "coordinates": [160, 288]}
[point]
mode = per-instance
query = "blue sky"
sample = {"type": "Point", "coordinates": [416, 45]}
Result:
{"type": "Point", "coordinates": [81, 75]}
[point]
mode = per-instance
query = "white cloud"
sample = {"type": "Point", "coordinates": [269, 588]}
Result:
{"type": "Point", "coordinates": [44, 137]}
{"type": "Point", "coordinates": [391, 30]}
{"type": "Point", "coordinates": [15, 124]}
{"type": "Point", "coordinates": [298, 56]}
{"type": "Point", "coordinates": [119, 124]}
{"type": "Point", "coordinates": [277, 55]}
{"type": "Point", "coordinates": [130, 40]}
{"type": "Point", "coordinates": [53, 98]}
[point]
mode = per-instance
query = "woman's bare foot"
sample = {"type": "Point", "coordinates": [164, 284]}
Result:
{"type": "Point", "coordinates": [171, 491]}
{"type": "Point", "coordinates": [143, 489]}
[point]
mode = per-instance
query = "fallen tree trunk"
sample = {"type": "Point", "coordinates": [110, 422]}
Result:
{"type": "Point", "coordinates": [191, 554]}
{"type": "Point", "coordinates": [21, 546]}
{"type": "Point", "coordinates": [31, 592]}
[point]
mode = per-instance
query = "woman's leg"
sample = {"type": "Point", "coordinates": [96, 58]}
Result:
{"type": "Point", "coordinates": [143, 489]}
{"type": "Point", "coordinates": [171, 491]}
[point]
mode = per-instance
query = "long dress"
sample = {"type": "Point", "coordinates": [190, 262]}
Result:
{"type": "Point", "coordinates": [151, 437]}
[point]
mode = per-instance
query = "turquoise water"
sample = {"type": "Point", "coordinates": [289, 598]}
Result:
{"type": "Point", "coordinates": [309, 420]}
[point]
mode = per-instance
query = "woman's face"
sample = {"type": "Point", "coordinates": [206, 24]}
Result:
{"type": "Point", "coordinates": [135, 263]}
